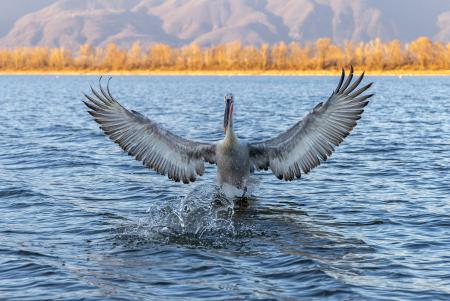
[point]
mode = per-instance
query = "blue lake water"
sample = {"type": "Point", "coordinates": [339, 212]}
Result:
{"type": "Point", "coordinates": [79, 219]}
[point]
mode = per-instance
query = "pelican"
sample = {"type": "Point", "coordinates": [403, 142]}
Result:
{"type": "Point", "coordinates": [298, 150]}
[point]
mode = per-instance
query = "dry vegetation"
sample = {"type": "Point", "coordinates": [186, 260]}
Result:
{"type": "Point", "coordinates": [421, 55]}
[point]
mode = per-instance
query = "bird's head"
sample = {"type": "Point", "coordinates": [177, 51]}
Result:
{"type": "Point", "coordinates": [228, 114]}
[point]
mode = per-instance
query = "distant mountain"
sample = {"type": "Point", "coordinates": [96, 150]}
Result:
{"type": "Point", "coordinates": [11, 11]}
{"type": "Point", "coordinates": [70, 23]}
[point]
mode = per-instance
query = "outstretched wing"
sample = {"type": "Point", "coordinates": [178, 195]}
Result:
{"type": "Point", "coordinates": [303, 146]}
{"type": "Point", "coordinates": [157, 148]}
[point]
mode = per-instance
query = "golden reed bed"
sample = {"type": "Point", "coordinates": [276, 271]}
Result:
{"type": "Point", "coordinates": [228, 72]}
{"type": "Point", "coordinates": [419, 57]}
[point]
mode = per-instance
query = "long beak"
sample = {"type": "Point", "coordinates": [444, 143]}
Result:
{"type": "Point", "coordinates": [227, 115]}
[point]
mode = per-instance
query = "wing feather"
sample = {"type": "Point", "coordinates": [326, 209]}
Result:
{"type": "Point", "coordinates": [313, 139]}
{"type": "Point", "coordinates": [168, 154]}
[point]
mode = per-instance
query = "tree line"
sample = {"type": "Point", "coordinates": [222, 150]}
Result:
{"type": "Point", "coordinates": [420, 54]}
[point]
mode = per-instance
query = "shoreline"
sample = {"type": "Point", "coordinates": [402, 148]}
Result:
{"type": "Point", "coordinates": [225, 73]}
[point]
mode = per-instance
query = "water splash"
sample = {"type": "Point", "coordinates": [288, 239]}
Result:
{"type": "Point", "coordinates": [203, 216]}
{"type": "Point", "coordinates": [206, 208]}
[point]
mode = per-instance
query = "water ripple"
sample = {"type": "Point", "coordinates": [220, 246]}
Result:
{"type": "Point", "coordinates": [81, 220]}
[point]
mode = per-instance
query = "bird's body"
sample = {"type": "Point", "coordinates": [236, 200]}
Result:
{"type": "Point", "coordinates": [233, 161]}
{"type": "Point", "coordinates": [298, 150]}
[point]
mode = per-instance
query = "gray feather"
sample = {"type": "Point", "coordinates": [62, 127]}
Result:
{"type": "Point", "coordinates": [142, 138]}
{"type": "Point", "coordinates": [313, 139]}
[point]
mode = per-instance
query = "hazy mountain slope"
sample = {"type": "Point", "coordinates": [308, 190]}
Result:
{"type": "Point", "coordinates": [11, 11]}
{"type": "Point", "coordinates": [70, 23]}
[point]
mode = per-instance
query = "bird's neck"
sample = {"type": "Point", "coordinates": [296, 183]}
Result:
{"type": "Point", "coordinates": [230, 139]}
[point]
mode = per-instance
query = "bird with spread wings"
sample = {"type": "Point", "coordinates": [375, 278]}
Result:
{"type": "Point", "coordinates": [298, 150]}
